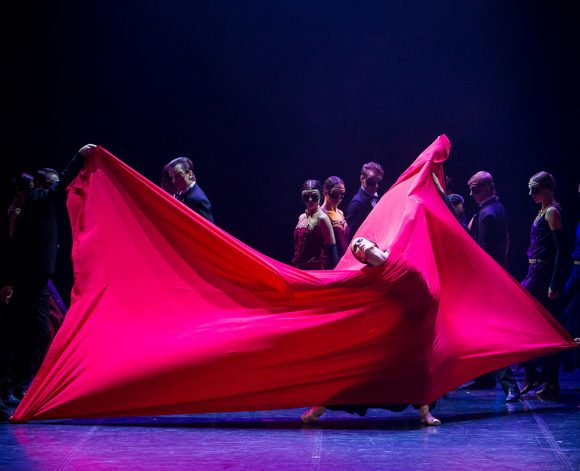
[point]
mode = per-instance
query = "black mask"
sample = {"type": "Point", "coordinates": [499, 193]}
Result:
{"type": "Point", "coordinates": [373, 181]}
{"type": "Point", "coordinates": [310, 196]}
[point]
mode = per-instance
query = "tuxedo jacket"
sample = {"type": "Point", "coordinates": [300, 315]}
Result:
{"type": "Point", "coordinates": [490, 230]}
{"type": "Point", "coordinates": [195, 199]}
{"type": "Point", "coordinates": [357, 211]}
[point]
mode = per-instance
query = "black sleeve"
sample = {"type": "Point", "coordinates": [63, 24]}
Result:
{"type": "Point", "coordinates": [330, 256]}
{"type": "Point", "coordinates": [204, 209]}
{"type": "Point", "coordinates": [354, 217]}
{"type": "Point", "coordinates": [490, 239]}
{"type": "Point", "coordinates": [71, 171]}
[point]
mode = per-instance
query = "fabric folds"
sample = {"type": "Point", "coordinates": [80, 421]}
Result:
{"type": "Point", "coordinates": [171, 315]}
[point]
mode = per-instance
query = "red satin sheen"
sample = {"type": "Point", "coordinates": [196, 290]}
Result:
{"type": "Point", "coordinates": [171, 315]}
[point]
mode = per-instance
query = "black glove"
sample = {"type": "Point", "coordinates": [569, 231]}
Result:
{"type": "Point", "coordinates": [330, 256]}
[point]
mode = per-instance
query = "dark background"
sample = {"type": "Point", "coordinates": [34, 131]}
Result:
{"type": "Point", "coordinates": [265, 94]}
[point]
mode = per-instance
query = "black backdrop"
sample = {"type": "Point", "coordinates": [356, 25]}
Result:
{"type": "Point", "coordinates": [264, 94]}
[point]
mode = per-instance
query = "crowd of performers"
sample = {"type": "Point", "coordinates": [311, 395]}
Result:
{"type": "Point", "coordinates": [32, 310]}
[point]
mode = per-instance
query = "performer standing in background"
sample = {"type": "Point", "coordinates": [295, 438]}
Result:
{"type": "Point", "coordinates": [314, 243]}
{"type": "Point", "coordinates": [544, 279]}
{"type": "Point", "coordinates": [489, 228]}
{"type": "Point", "coordinates": [180, 172]}
{"type": "Point", "coordinates": [31, 262]}
{"type": "Point", "coordinates": [366, 198]}
{"type": "Point", "coordinates": [333, 195]}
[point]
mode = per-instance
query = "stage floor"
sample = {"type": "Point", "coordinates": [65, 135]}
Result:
{"type": "Point", "coordinates": [479, 431]}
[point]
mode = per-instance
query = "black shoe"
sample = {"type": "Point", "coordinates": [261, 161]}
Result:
{"type": "Point", "coordinates": [512, 395]}
{"type": "Point", "coordinates": [529, 386]}
{"type": "Point", "coordinates": [4, 412]}
{"type": "Point", "coordinates": [549, 391]}
{"type": "Point", "coordinates": [480, 385]}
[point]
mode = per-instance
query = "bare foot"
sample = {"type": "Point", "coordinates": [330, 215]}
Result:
{"type": "Point", "coordinates": [426, 417]}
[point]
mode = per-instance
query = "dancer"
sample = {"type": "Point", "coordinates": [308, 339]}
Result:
{"type": "Point", "coordinates": [31, 262]}
{"type": "Point", "coordinates": [314, 242]}
{"type": "Point", "coordinates": [333, 196]}
{"type": "Point", "coordinates": [544, 278]}
{"type": "Point", "coordinates": [489, 228]}
{"type": "Point", "coordinates": [180, 172]}
{"type": "Point", "coordinates": [366, 198]}
{"type": "Point", "coordinates": [366, 251]}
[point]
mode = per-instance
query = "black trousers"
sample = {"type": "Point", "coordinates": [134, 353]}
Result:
{"type": "Point", "coordinates": [25, 334]}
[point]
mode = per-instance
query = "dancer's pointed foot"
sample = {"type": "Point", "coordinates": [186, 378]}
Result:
{"type": "Point", "coordinates": [313, 414]}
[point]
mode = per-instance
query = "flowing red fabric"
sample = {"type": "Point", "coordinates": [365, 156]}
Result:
{"type": "Point", "coordinates": [171, 315]}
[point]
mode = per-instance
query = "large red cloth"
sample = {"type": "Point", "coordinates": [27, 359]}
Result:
{"type": "Point", "coordinates": [172, 315]}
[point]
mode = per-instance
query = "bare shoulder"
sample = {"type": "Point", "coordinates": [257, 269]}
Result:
{"type": "Point", "coordinates": [553, 218]}
{"type": "Point", "coordinates": [322, 216]}
{"type": "Point", "coordinates": [552, 211]}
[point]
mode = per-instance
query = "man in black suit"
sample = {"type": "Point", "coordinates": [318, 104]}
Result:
{"type": "Point", "coordinates": [489, 228]}
{"type": "Point", "coordinates": [371, 176]}
{"type": "Point", "coordinates": [31, 259]}
{"type": "Point", "coordinates": [180, 172]}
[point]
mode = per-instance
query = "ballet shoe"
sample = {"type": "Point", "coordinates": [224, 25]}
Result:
{"type": "Point", "coordinates": [430, 421]}
{"type": "Point", "coordinates": [313, 414]}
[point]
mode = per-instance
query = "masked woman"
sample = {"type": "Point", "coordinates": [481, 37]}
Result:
{"type": "Point", "coordinates": [544, 278]}
{"type": "Point", "coordinates": [314, 242]}
{"type": "Point", "coordinates": [333, 195]}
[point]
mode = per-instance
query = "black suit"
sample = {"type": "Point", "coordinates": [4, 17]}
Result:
{"type": "Point", "coordinates": [195, 199]}
{"type": "Point", "coordinates": [31, 261]}
{"type": "Point", "coordinates": [490, 230]}
{"type": "Point", "coordinates": [358, 209]}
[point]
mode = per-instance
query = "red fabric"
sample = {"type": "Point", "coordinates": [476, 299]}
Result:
{"type": "Point", "coordinates": [172, 315]}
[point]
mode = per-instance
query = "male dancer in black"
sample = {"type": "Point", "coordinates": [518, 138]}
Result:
{"type": "Point", "coordinates": [180, 172]}
{"type": "Point", "coordinates": [489, 228]}
{"type": "Point", "coordinates": [371, 176]}
{"type": "Point", "coordinates": [30, 263]}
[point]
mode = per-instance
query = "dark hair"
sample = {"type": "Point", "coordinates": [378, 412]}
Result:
{"type": "Point", "coordinates": [46, 176]}
{"type": "Point", "coordinates": [372, 167]}
{"type": "Point", "coordinates": [449, 185]}
{"type": "Point", "coordinates": [166, 183]}
{"type": "Point", "coordinates": [454, 199]}
{"type": "Point", "coordinates": [362, 260]}
{"type": "Point", "coordinates": [23, 182]}
{"type": "Point", "coordinates": [544, 179]}
{"type": "Point", "coordinates": [185, 163]}
{"type": "Point", "coordinates": [312, 185]}
{"type": "Point", "coordinates": [330, 182]}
